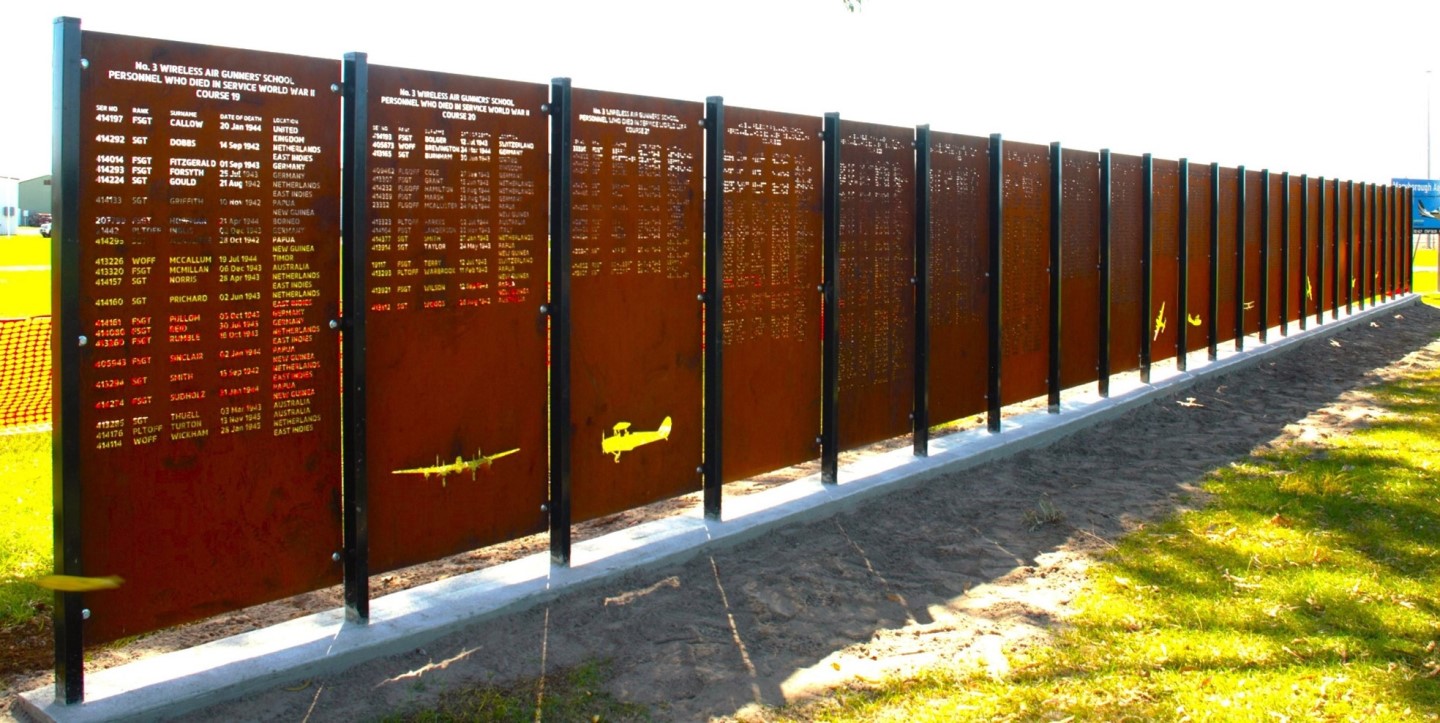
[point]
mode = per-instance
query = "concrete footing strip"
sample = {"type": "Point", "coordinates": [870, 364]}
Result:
{"type": "Point", "coordinates": [186, 680]}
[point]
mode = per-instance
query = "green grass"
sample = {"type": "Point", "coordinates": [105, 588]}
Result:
{"type": "Point", "coordinates": [567, 695]}
{"type": "Point", "coordinates": [25, 528]}
{"type": "Point", "coordinates": [24, 276]}
{"type": "Point", "coordinates": [1306, 588]}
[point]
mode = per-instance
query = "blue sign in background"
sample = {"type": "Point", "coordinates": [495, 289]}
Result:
{"type": "Point", "coordinates": [1426, 209]}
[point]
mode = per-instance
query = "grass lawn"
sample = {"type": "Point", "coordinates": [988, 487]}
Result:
{"type": "Point", "coordinates": [25, 537]}
{"type": "Point", "coordinates": [1304, 589]}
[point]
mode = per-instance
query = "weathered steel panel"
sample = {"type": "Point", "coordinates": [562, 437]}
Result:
{"type": "Point", "coordinates": [1165, 263]}
{"type": "Point", "coordinates": [1197, 276]}
{"type": "Point", "coordinates": [1254, 241]}
{"type": "Point", "coordinates": [637, 229]}
{"type": "Point", "coordinates": [877, 300]}
{"type": "Point", "coordinates": [1229, 253]}
{"type": "Point", "coordinates": [455, 348]}
{"type": "Point", "coordinates": [1080, 269]}
{"type": "Point", "coordinates": [959, 260]}
{"type": "Point", "coordinates": [209, 230]}
{"type": "Point", "coordinates": [772, 268]}
{"type": "Point", "coordinates": [1127, 244]}
{"type": "Point", "coordinates": [1025, 276]}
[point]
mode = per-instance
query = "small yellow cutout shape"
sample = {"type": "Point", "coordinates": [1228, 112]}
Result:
{"type": "Point", "coordinates": [623, 440]}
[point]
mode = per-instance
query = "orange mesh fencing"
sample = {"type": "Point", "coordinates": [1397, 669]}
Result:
{"type": "Point", "coordinates": [24, 372]}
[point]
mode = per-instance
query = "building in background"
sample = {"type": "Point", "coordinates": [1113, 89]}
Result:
{"type": "Point", "coordinates": [35, 200]}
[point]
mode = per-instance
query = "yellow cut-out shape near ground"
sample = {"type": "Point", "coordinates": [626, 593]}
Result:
{"type": "Point", "coordinates": [623, 440]}
{"type": "Point", "coordinates": [1160, 322]}
{"type": "Point", "coordinates": [481, 462]}
{"type": "Point", "coordinates": [1195, 320]}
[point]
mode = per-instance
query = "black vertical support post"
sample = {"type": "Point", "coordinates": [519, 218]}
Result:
{"type": "Point", "coordinates": [1105, 215]}
{"type": "Point", "coordinates": [830, 370]}
{"type": "Point", "coordinates": [1212, 334]}
{"type": "Point", "coordinates": [561, 140]}
{"type": "Point", "coordinates": [921, 420]}
{"type": "Point", "coordinates": [1265, 260]}
{"type": "Point", "coordinates": [1320, 259]}
{"type": "Point", "coordinates": [1307, 290]}
{"type": "Point", "coordinates": [714, 303]}
{"type": "Point", "coordinates": [1057, 231]}
{"type": "Point", "coordinates": [65, 343]}
{"type": "Point", "coordinates": [1372, 251]}
{"type": "Point", "coordinates": [1285, 254]}
{"type": "Point", "coordinates": [1240, 211]}
{"type": "Point", "coordinates": [1182, 308]}
{"type": "Point", "coordinates": [1147, 262]}
{"type": "Point", "coordinates": [1410, 240]}
{"type": "Point", "coordinates": [1383, 203]}
{"type": "Point", "coordinates": [354, 245]}
{"type": "Point", "coordinates": [997, 234]}
{"type": "Point", "coordinates": [1335, 249]}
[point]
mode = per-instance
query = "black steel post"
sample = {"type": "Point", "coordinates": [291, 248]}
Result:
{"type": "Point", "coordinates": [714, 303]}
{"type": "Point", "coordinates": [1103, 365]}
{"type": "Point", "coordinates": [830, 372]}
{"type": "Point", "coordinates": [1410, 240]}
{"type": "Point", "coordinates": [997, 232]}
{"type": "Point", "coordinates": [921, 419]}
{"type": "Point", "coordinates": [1240, 211]}
{"type": "Point", "coordinates": [1057, 188]}
{"type": "Point", "coordinates": [354, 262]}
{"type": "Point", "coordinates": [1212, 334]}
{"type": "Point", "coordinates": [1147, 262]}
{"type": "Point", "coordinates": [1265, 260]}
{"type": "Point", "coordinates": [65, 341]}
{"type": "Point", "coordinates": [561, 140]}
{"type": "Point", "coordinates": [1285, 254]}
{"type": "Point", "coordinates": [1182, 307]}
{"type": "Point", "coordinates": [1320, 260]}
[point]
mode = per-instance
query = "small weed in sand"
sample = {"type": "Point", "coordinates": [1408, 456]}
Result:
{"type": "Point", "coordinates": [1045, 513]}
{"type": "Point", "coordinates": [1304, 589]}
{"type": "Point", "coordinates": [576, 694]}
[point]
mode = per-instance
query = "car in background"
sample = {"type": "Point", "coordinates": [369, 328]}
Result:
{"type": "Point", "coordinates": [45, 229]}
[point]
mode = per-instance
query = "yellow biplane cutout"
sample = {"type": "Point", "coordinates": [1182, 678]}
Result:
{"type": "Point", "coordinates": [1249, 305]}
{"type": "Point", "coordinates": [1309, 293]}
{"type": "Point", "coordinates": [1160, 321]}
{"type": "Point", "coordinates": [460, 464]}
{"type": "Point", "coordinates": [75, 583]}
{"type": "Point", "coordinates": [623, 440]}
{"type": "Point", "coordinates": [1195, 320]}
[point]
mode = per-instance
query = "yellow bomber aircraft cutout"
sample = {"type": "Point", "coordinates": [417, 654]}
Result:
{"type": "Point", "coordinates": [459, 465]}
{"type": "Point", "coordinates": [623, 440]}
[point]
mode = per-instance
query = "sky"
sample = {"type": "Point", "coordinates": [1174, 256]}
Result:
{"type": "Point", "coordinates": [1330, 89]}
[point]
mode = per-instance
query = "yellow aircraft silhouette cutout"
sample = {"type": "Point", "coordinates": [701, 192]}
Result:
{"type": "Point", "coordinates": [459, 465]}
{"type": "Point", "coordinates": [1160, 322]}
{"type": "Point", "coordinates": [1195, 320]}
{"type": "Point", "coordinates": [623, 440]}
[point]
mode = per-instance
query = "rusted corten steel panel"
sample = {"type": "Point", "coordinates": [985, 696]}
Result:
{"type": "Point", "coordinates": [1326, 282]}
{"type": "Point", "coordinates": [959, 260]}
{"type": "Point", "coordinates": [772, 267]}
{"type": "Point", "coordinates": [877, 300]}
{"type": "Point", "coordinates": [1025, 276]}
{"type": "Point", "coordinates": [1275, 271]}
{"type": "Point", "coordinates": [1163, 323]}
{"type": "Point", "coordinates": [637, 230]}
{"type": "Point", "coordinates": [1254, 241]}
{"type": "Point", "coordinates": [209, 232]}
{"type": "Point", "coordinates": [455, 347]}
{"type": "Point", "coordinates": [1197, 276]}
{"type": "Point", "coordinates": [1312, 286]}
{"type": "Point", "coordinates": [1229, 259]}
{"type": "Point", "coordinates": [1296, 305]}
{"type": "Point", "coordinates": [1080, 269]}
{"type": "Point", "coordinates": [1342, 230]}
{"type": "Point", "coordinates": [1127, 242]}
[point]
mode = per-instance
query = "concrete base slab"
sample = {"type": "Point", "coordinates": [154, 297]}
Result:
{"type": "Point", "coordinates": [324, 643]}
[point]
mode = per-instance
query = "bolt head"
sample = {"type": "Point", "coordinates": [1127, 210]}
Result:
{"type": "Point", "coordinates": [334, 87]}
{"type": "Point", "coordinates": [335, 557]}
{"type": "Point", "coordinates": [544, 309]}
{"type": "Point", "coordinates": [84, 340]}
{"type": "Point", "coordinates": [85, 63]}
{"type": "Point", "coordinates": [544, 508]}
{"type": "Point", "coordinates": [334, 324]}
{"type": "Point", "coordinates": [85, 614]}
